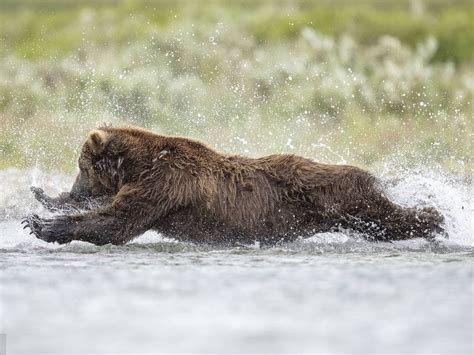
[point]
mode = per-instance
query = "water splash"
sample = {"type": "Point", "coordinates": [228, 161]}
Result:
{"type": "Point", "coordinates": [452, 197]}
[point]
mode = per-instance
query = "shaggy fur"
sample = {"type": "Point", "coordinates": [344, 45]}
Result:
{"type": "Point", "coordinates": [132, 180]}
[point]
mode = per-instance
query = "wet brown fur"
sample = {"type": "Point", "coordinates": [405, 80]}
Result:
{"type": "Point", "coordinates": [138, 180]}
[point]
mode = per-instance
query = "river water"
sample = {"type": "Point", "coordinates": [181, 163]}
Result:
{"type": "Point", "coordinates": [332, 293]}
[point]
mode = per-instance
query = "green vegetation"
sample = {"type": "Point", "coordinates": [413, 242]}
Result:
{"type": "Point", "coordinates": [35, 28]}
{"type": "Point", "coordinates": [369, 83]}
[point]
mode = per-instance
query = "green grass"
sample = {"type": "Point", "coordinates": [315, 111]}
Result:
{"type": "Point", "coordinates": [34, 28]}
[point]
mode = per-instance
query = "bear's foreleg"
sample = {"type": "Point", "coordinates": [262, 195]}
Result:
{"type": "Point", "coordinates": [103, 226]}
{"type": "Point", "coordinates": [66, 203]}
{"type": "Point", "coordinates": [132, 212]}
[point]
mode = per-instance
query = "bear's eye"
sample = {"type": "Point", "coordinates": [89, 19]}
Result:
{"type": "Point", "coordinates": [95, 159]}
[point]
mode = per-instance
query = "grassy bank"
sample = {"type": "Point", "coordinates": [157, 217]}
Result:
{"type": "Point", "coordinates": [36, 29]}
{"type": "Point", "coordinates": [368, 84]}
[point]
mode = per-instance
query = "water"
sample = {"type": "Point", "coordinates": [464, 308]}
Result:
{"type": "Point", "coordinates": [333, 293]}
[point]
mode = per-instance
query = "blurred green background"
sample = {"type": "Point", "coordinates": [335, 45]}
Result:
{"type": "Point", "coordinates": [381, 84]}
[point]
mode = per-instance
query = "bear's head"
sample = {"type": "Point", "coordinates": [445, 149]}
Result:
{"type": "Point", "coordinates": [99, 167]}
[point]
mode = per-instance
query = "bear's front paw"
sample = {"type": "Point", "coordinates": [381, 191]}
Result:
{"type": "Point", "coordinates": [49, 230]}
{"type": "Point", "coordinates": [38, 193]}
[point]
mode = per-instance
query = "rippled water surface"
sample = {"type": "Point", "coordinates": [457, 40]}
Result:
{"type": "Point", "coordinates": [332, 293]}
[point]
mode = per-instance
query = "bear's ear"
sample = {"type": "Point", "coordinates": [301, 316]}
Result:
{"type": "Point", "coordinates": [97, 141]}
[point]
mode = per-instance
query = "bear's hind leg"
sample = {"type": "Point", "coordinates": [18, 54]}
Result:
{"type": "Point", "coordinates": [381, 219]}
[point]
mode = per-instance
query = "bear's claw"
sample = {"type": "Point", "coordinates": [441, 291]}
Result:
{"type": "Point", "coordinates": [33, 222]}
{"type": "Point", "coordinates": [36, 190]}
{"type": "Point", "coordinates": [39, 194]}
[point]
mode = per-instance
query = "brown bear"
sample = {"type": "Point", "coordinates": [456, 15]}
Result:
{"type": "Point", "coordinates": [132, 180]}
